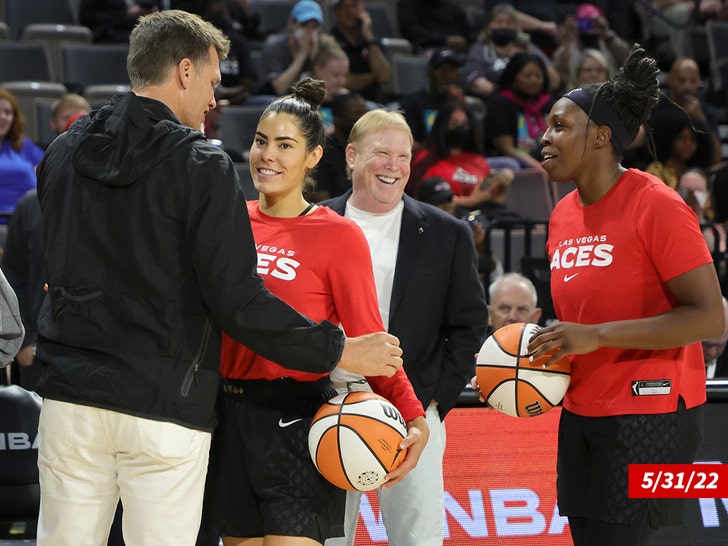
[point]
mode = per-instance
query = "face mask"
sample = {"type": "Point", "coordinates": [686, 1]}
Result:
{"type": "Point", "coordinates": [502, 36]}
{"type": "Point", "coordinates": [457, 137]}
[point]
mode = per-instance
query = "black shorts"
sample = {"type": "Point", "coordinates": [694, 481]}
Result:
{"type": "Point", "coordinates": [594, 454]}
{"type": "Point", "coordinates": [261, 479]}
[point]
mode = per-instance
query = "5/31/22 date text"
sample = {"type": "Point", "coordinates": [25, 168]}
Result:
{"type": "Point", "coordinates": [662, 481]}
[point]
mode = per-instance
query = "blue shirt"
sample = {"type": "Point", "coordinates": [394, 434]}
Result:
{"type": "Point", "coordinates": [17, 173]}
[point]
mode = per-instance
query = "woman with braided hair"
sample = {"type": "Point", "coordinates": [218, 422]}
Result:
{"type": "Point", "coordinates": [635, 291]}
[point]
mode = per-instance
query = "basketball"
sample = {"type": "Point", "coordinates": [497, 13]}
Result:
{"type": "Point", "coordinates": [354, 440]}
{"type": "Point", "coordinates": [512, 383]}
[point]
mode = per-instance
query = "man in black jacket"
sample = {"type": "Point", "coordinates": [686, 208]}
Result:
{"type": "Point", "coordinates": [149, 255]}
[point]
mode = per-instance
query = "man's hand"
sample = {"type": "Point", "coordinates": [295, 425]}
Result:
{"type": "Point", "coordinates": [372, 354]}
{"type": "Point", "coordinates": [417, 435]}
{"type": "Point", "coordinates": [26, 355]}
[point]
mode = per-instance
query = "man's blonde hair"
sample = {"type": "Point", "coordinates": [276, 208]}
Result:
{"type": "Point", "coordinates": [377, 119]}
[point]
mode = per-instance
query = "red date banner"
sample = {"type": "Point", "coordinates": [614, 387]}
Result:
{"type": "Point", "coordinates": [687, 481]}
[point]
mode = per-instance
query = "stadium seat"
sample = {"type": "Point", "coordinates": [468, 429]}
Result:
{"type": "Point", "coordinates": [43, 130]}
{"type": "Point", "coordinates": [409, 74]}
{"type": "Point", "coordinates": [5, 32]}
{"type": "Point", "coordinates": [273, 14]}
{"type": "Point", "coordinates": [530, 195]}
{"type": "Point", "coordinates": [24, 62]}
{"type": "Point", "coordinates": [21, 13]}
{"type": "Point", "coordinates": [717, 32]}
{"type": "Point", "coordinates": [94, 64]}
{"type": "Point", "coordinates": [98, 95]}
{"type": "Point", "coordinates": [53, 37]}
{"type": "Point", "coordinates": [237, 127]}
{"type": "Point", "coordinates": [393, 46]}
{"type": "Point", "coordinates": [246, 180]}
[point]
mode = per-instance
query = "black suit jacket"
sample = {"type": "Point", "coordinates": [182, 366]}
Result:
{"type": "Point", "coordinates": [438, 309]}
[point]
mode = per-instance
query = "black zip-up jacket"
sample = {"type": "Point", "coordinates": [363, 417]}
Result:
{"type": "Point", "coordinates": [149, 254]}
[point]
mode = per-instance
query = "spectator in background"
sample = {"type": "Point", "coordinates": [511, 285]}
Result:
{"type": "Point", "coordinates": [420, 108]}
{"type": "Point", "coordinates": [436, 191]}
{"type": "Point", "coordinates": [369, 68]}
{"type": "Point", "coordinates": [65, 110]}
{"type": "Point", "coordinates": [331, 176]}
{"type": "Point", "coordinates": [331, 65]}
{"type": "Point", "coordinates": [500, 39]}
{"type": "Point", "coordinates": [681, 142]}
{"type": "Point", "coordinates": [714, 354]}
{"type": "Point", "coordinates": [667, 29]}
{"type": "Point", "coordinates": [23, 266]}
{"type": "Point", "coordinates": [588, 28]}
{"type": "Point", "coordinates": [430, 24]}
{"type": "Point", "coordinates": [540, 19]}
{"type": "Point", "coordinates": [681, 97]}
{"type": "Point", "coordinates": [684, 91]}
{"type": "Point", "coordinates": [693, 186]}
{"type": "Point", "coordinates": [453, 151]}
{"type": "Point", "coordinates": [112, 21]}
{"type": "Point", "coordinates": [238, 73]}
{"type": "Point", "coordinates": [19, 156]}
{"type": "Point", "coordinates": [512, 298]}
{"type": "Point", "coordinates": [516, 118]}
{"type": "Point", "coordinates": [245, 19]}
{"type": "Point", "coordinates": [22, 257]}
{"type": "Point", "coordinates": [591, 67]}
{"type": "Point", "coordinates": [289, 55]}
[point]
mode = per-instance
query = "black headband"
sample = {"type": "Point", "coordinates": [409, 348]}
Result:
{"type": "Point", "coordinates": [601, 114]}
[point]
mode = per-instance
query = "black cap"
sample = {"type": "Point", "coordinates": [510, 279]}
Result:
{"type": "Point", "coordinates": [445, 55]}
{"type": "Point", "coordinates": [435, 190]}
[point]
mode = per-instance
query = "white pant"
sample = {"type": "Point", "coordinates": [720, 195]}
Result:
{"type": "Point", "coordinates": [88, 458]}
{"type": "Point", "coordinates": [414, 509]}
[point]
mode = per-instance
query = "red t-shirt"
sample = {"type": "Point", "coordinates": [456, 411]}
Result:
{"type": "Point", "coordinates": [321, 266]}
{"type": "Point", "coordinates": [463, 171]}
{"type": "Point", "coordinates": [609, 262]}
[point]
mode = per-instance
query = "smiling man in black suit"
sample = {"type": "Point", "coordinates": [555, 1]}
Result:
{"type": "Point", "coordinates": [425, 268]}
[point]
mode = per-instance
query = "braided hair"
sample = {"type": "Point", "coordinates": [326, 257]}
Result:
{"type": "Point", "coordinates": [633, 92]}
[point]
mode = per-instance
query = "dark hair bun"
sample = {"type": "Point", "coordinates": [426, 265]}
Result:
{"type": "Point", "coordinates": [636, 86]}
{"type": "Point", "coordinates": [309, 90]}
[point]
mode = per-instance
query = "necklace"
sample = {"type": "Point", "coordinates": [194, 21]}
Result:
{"type": "Point", "coordinates": [308, 208]}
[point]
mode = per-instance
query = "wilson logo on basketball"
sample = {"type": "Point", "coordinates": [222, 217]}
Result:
{"type": "Point", "coordinates": [392, 413]}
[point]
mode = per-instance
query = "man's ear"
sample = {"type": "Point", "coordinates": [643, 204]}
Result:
{"type": "Point", "coordinates": [185, 72]}
{"type": "Point", "coordinates": [350, 155]}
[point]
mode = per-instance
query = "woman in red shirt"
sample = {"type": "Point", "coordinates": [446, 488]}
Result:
{"type": "Point", "coordinates": [635, 291]}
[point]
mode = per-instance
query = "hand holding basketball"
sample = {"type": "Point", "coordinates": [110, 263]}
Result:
{"type": "Point", "coordinates": [512, 381]}
{"type": "Point", "coordinates": [564, 338]}
{"type": "Point", "coordinates": [418, 432]}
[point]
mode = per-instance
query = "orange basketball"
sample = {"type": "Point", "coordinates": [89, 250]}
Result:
{"type": "Point", "coordinates": [512, 383]}
{"type": "Point", "coordinates": [354, 440]}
